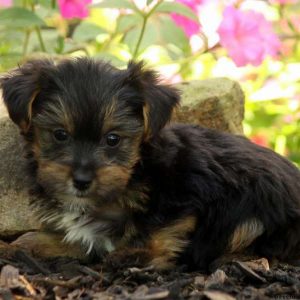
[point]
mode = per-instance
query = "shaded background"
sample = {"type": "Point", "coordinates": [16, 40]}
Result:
{"type": "Point", "coordinates": [254, 42]}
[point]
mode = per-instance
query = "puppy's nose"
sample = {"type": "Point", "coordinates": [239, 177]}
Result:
{"type": "Point", "coordinates": [82, 180]}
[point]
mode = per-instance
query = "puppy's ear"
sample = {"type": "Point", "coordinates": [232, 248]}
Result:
{"type": "Point", "coordinates": [20, 88]}
{"type": "Point", "coordinates": [159, 100]}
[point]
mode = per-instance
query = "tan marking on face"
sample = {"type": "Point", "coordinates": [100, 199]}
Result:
{"type": "Point", "coordinates": [135, 150]}
{"type": "Point", "coordinates": [68, 124]}
{"type": "Point", "coordinates": [63, 114]}
{"type": "Point", "coordinates": [49, 170]}
{"type": "Point", "coordinates": [109, 119]}
{"type": "Point", "coordinates": [167, 243]}
{"type": "Point", "coordinates": [245, 234]}
{"type": "Point", "coordinates": [110, 110]}
{"type": "Point", "coordinates": [112, 178]}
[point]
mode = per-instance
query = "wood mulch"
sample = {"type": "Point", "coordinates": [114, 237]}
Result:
{"type": "Point", "coordinates": [25, 277]}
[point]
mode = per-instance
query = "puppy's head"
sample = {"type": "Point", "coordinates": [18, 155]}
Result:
{"type": "Point", "coordinates": [85, 122]}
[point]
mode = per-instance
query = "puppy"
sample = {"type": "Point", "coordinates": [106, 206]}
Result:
{"type": "Point", "coordinates": [113, 178]}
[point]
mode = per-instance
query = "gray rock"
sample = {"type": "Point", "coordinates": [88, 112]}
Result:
{"type": "Point", "coordinates": [15, 215]}
{"type": "Point", "coordinates": [216, 103]}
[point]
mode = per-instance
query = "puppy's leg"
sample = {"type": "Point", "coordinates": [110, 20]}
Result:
{"type": "Point", "coordinates": [168, 243]}
{"type": "Point", "coordinates": [238, 248]}
{"type": "Point", "coordinates": [46, 245]}
{"type": "Point", "coordinates": [160, 251]}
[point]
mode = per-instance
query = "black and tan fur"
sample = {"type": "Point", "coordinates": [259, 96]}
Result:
{"type": "Point", "coordinates": [163, 194]}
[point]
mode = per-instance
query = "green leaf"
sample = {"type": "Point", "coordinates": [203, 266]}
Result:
{"type": "Point", "coordinates": [160, 30]}
{"type": "Point", "coordinates": [128, 22]}
{"type": "Point", "coordinates": [16, 17]}
{"type": "Point", "coordinates": [109, 57]}
{"type": "Point", "coordinates": [46, 3]}
{"type": "Point", "coordinates": [150, 37]}
{"type": "Point", "coordinates": [87, 31]}
{"type": "Point", "coordinates": [11, 41]}
{"type": "Point", "coordinates": [172, 34]}
{"type": "Point", "coordinates": [178, 8]}
{"type": "Point", "coordinates": [115, 4]}
{"type": "Point", "coordinates": [50, 40]}
{"type": "Point", "coordinates": [9, 61]}
{"type": "Point", "coordinates": [149, 2]}
{"type": "Point", "coordinates": [131, 38]}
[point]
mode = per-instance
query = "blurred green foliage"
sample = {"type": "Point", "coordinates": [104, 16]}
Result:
{"type": "Point", "coordinates": [119, 30]}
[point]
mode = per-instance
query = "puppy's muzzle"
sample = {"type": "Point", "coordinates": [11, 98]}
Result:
{"type": "Point", "coordinates": [82, 179]}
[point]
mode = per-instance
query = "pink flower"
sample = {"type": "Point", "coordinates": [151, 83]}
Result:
{"type": "Point", "coordinates": [6, 3]}
{"type": "Point", "coordinates": [189, 26]}
{"type": "Point", "coordinates": [282, 1]}
{"type": "Point", "coordinates": [288, 119]}
{"type": "Point", "coordinates": [74, 8]}
{"type": "Point", "coordinates": [247, 36]}
{"type": "Point", "coordinates": [260, 139]}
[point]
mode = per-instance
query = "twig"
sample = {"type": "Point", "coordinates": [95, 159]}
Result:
{"type": "Point", "coordinates": [27, 285]}
{"type": "Point", "coordinates": [31, 262]}
{"type": "Point", "coordinates": [26, 41]}
{"type": "Point", "coordinates": [88, 271]}
{"type": "Point", "coordinates": [145, 19]}
{"type": "Point", "coordinates": [70, 284]}
{"type": "Point", "coordinates": [40, 38]}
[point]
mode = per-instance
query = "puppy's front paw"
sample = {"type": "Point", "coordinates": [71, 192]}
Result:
{"type": "Point", "coordinates": [127, 257]}
{"type": "Point", "coordinates": [47, 245]}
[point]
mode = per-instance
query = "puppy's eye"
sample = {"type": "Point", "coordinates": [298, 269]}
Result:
{"type": "Point", "coordinates": [60, 135]}
{"type": "Point", "coordinates": [112, 139]}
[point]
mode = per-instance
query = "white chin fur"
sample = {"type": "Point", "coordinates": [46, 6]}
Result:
{"type": "Point", "coordinates": [87, 232]}
{"type": "Point", "coordinates": [79, 227]}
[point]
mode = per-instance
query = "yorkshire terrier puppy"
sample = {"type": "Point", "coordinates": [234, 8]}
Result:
{"type": "Point", "coordinates": [113, 178]}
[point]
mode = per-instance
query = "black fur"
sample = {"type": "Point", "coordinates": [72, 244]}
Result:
{"type": "Point", "coordinates": [181, 170]}
{"type": "Point", "coordinates": [226, 180]}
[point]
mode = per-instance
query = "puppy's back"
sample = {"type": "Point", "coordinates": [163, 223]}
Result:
{"type": "Point", "coordinates": [245, 196]}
